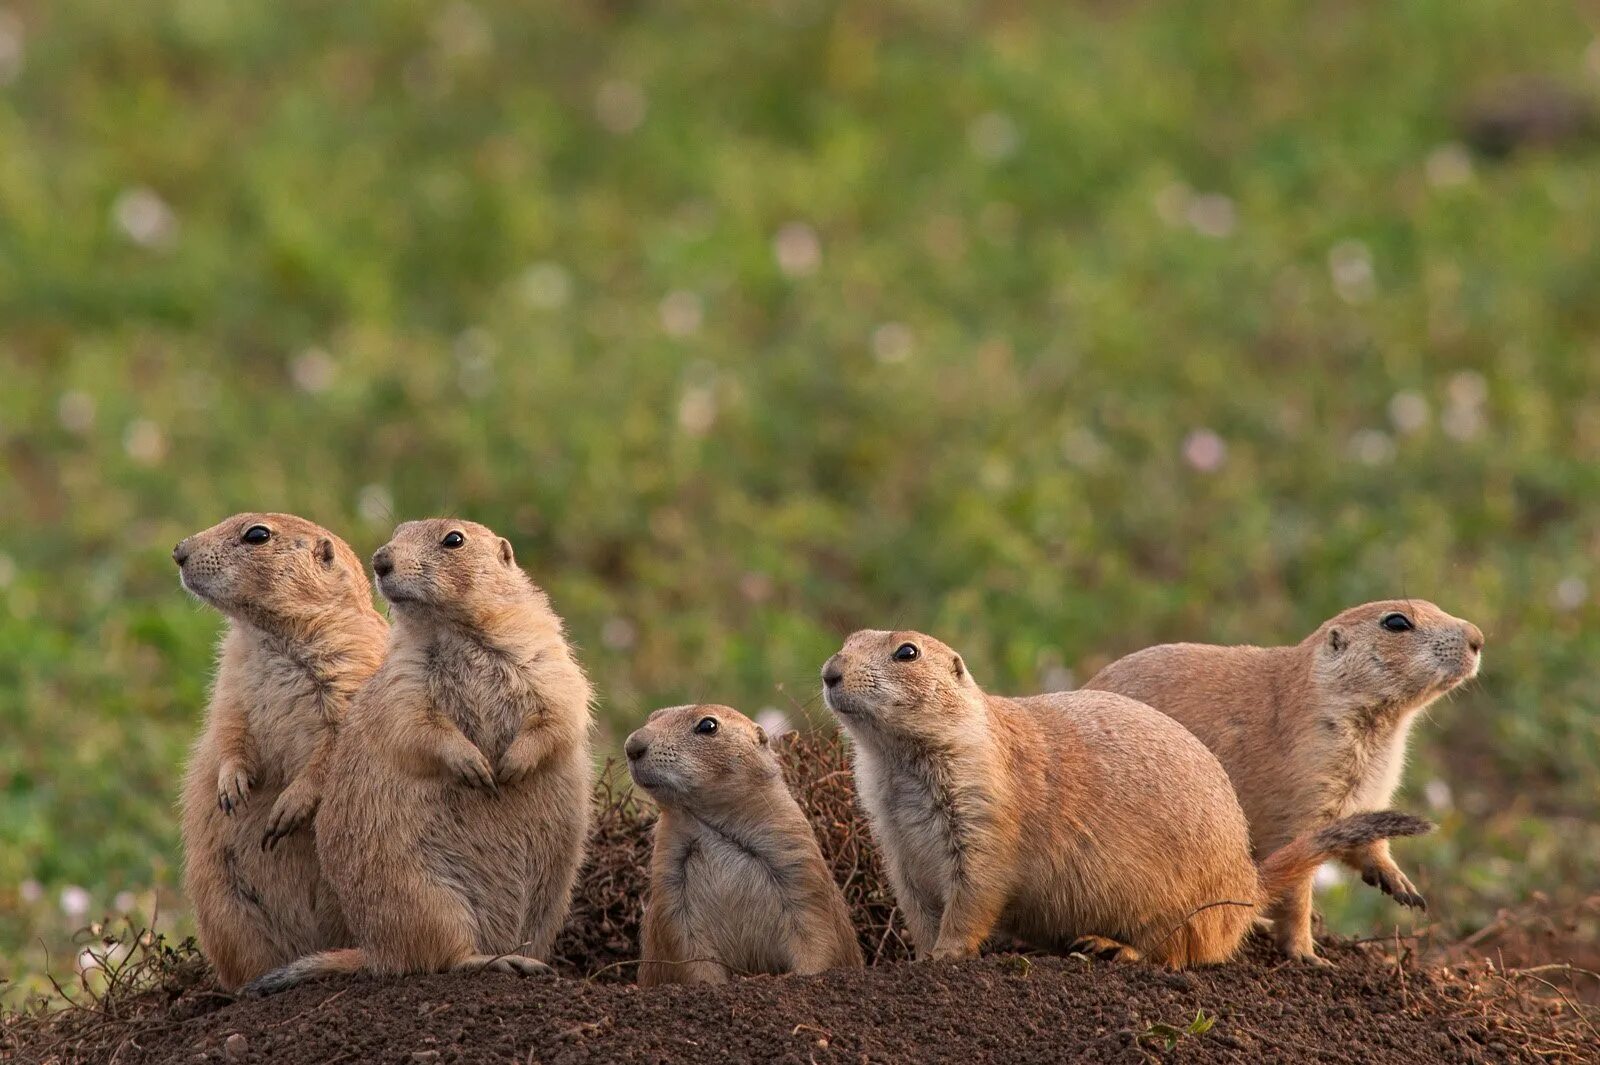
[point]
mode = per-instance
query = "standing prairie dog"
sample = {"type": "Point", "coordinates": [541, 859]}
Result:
{"type": "Point", "coordinates": [302, 637]}
{"type": "Point", "coordinates": [737, 881]}
{"type": "Point", "coordinates": [1312, 732]}
{"type": "Point", "coordinates": [1082, 820]}
{"type": "Point", "coordinates": [458, 807]}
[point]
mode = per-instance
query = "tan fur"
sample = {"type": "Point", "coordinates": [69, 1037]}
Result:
{"type": "Point", "coordinates": [462, 810]}
{"type": "Point", "coordinates": [1312, 732]}
{"type": "Point", "coordinates": [1076, 819]}
{"type": "Point", "coordinates": [738, 884]}
{"type": "Point", "coordinates": [302, 636]}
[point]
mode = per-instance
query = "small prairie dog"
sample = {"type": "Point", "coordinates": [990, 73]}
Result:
{"type": "Point", "coordinates": [459, 804]}
{"type": "Point", "coordinates": [1315, 731]}
{"type": "Point", "coordinates": [737, 883]}
{"type": "Point", "coordinates": [302, 636]}
{"type": "Point", "coordinates": [1080, 820]}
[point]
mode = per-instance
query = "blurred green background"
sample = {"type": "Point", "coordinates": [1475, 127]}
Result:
{"type": "Point", "coordinates": [1054, 329]}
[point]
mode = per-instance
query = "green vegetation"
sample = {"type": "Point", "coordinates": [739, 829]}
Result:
{"type": "Point", "coordinates": [1054, 332]}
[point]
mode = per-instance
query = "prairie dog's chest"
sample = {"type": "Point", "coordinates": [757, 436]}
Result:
{"type": "Point", "coordinates": [1364, 767]}
{"type": "Point", "coordinates": [485, 694]}
{"type": "Point", "coordinates": [919, 829]}
{"type": "Point", "coordinates": [731, 903]}
{"type": "Point", "coordinates": [284, 709]}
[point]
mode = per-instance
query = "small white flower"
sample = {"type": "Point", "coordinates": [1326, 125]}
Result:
{"type": "Point", "coordinates": [75, 411]}
{"type": "Point", "coordinates": [30, 890]}
{"type": "Point", "coordinates": [1571, 593]}
{"type": "Point", "coordinates": [125, 902]}
{"type": "Point", "coordinates": [1205, 451]}
{"type": "Point", "coordinates": [1372, 447]}
{"type": "Point", "coordinates": [11, 47]}
{"type": "Point", "coordinates": [681, 313]}
{"type": "Point", "coordinates": [1328, 875]}
{"type": "Point", "coordinates": [773, 721]}
{"type": "Point", "coordinates": [891, 342]}
{"type": "Point", "coordinates": [994, 136]}
{"type": "Point", "coordinates": [1212, 214]}
{"type": "Point", "coordinates": [75, 901]}
{"type": "Point", "coordinates": [1438, 794]}
{"type": "Point", "coordinates": [375, 504]}
{"type": "Point", "coordinates": [1449, 165]}
{"type": "Point", "coordinates": [1350, 265]}
{"type": "Point", "coordinates": [619, 634]}
{"type": "Point", "coordinates": [797, 250]}
{"type": "Point", "coordinates": [1409, 411]}
{"type": "Point", "coordinates": [144, 442]}
{"type": "Point", "coordinates": [697, 410]}
{"type": "Point", "coordinates": [144, 218]}
{"type": "Point", "coordinates": [312, 371]}
{"type": "Point", "coordinates": [545, 286]}
{"type": "Point", "coordinates": [1058, 678]}
{"type": "Point", "coordinates": [620, 106]}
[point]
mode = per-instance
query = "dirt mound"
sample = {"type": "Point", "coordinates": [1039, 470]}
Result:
{"type": "Point", "coordinates": [1371, 1007]}
{"type": "Point", "coordinates": [1001, 1008]}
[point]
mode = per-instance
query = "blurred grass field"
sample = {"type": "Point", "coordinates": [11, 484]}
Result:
{"type": "Point", "coordinates": [1056, 330]}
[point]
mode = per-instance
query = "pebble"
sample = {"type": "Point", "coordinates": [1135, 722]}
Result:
{"type": "Point", "coordinates": [235, 1047]}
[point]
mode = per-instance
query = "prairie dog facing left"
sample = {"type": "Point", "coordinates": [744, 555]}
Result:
{"type": "Point", "coordinates": [459, 811]}
{"type": "Point", "coordinates": [1079, 820]}
{"type": "Point", "coordinates": [302, 637]}
{"type": "Point", "coordinates": [738, 883]}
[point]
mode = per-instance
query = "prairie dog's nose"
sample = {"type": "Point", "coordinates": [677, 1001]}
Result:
{"type": "Point", "coordinates": [832, 672]}
{"type": "Point", "coordinates": [1474, 637]}
{"type": "Point", "coordinates": [180, 554]}
{"type": "Point", "coordinates": [636, 746]}
{"type": "Point", "coordinates": [383, 562]}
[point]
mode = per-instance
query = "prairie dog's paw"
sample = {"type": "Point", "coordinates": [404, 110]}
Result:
{"type": "Point", "coordinates": [292, 812]}
{"type": "Point", "coordinates": [469, 766]}
{"type": "Point", "coordinates": [948, 952]}
{"type": "Point", "coordinates": [233, 787]}
{"type": "Point", "coordinates": [1392, 882]}
{"type": "Point", "coordinates": [1103, 948]}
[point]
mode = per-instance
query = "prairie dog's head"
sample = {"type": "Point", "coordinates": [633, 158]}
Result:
{"type": "Point", "coordinates": [900, 683]}
{"type": "Point", "coordinates": [269, 569]}
{"type": "Point", "coordinates": [450, 567]}
{"type": "Point", "coordinates": [694, 755]}
{"type": "Point", "coordinates": [1398, 653]}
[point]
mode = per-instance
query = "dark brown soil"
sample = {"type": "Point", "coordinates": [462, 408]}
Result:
{"type": "Point", "coordinates": [1370, 1008]}
{"type": "Point", "coordinates": [1000, 1008]}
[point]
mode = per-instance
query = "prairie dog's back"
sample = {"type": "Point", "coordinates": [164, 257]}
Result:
{"type": "Point", "coordinates": [1124, 794]}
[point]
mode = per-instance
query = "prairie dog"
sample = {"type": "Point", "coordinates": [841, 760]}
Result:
{"type": "Point", "coordinates": [460, 808]}
{"type": "Point", "coordinates": [1315, 731]}
{"type": "Point", "coordinates": [737, 881]}
{"type": "Point", "coordinates": [1082, 820]}
{"type": "Point", "coordinates": [302, 636]}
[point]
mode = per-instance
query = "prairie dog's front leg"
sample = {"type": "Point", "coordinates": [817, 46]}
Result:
{"type": "Point", "coordinates": [969, 916]}
{"type": "Point", "coordinates": [1377, 867]}
{"type": "Point", "coordinates": [236, 755]}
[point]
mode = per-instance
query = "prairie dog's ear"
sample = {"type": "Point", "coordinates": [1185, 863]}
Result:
{"type": "Point", "coordinates": [959, 668]}
{"type": "Point", "coordinates": [1337, 641]}
{"type": "Point", "coordinates": [761, 735]}
{"type": "Point", "coordinates": [324, 551]}
{"type": "Point", "coordinates": [507, 557]}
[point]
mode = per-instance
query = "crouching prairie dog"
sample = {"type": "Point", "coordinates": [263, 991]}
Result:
{"type": "Point", "coordinates": [461, 809]}
{"type": "Point", "coordinates": [1080, 820]}
{"type": "Point", "coordinates": [302, 636]}
{"type": "Point", "coordinates": [737, 883]}
{"type": "Point", "coordinates": [1315, 731]}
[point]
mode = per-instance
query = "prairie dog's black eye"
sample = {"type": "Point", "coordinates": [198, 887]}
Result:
{"type": "Point", "coordinates": [706, 726]}
{"type": "Point", "coordinates": [906, 652]}
{"type": "Point", "coordinates": [256, 535]}
{"type": "Point", "coordinates": [1396, 623]}
{"type": "Point", "coordinates": [453, 539]}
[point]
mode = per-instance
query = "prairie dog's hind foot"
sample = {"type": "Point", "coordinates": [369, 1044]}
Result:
{"type": "Point", "coordinates": [1105, 949]}
{"type": "Point", "coordinates": [510, 964]}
